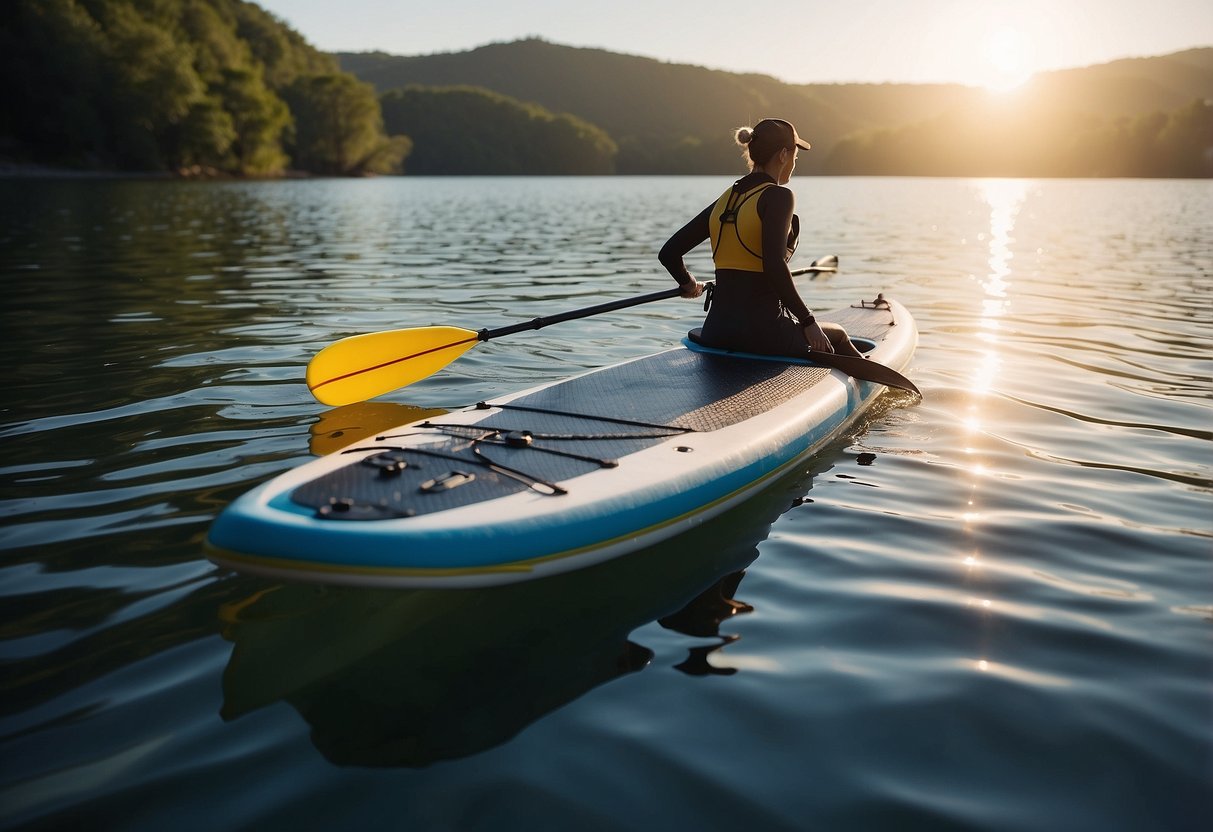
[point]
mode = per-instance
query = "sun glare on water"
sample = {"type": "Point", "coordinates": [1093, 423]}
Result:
{"type": "Point", "coordinates": [1006, 56]}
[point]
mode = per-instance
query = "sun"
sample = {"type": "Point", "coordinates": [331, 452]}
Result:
{"type": "Point", "coordinates": [1006, 56]}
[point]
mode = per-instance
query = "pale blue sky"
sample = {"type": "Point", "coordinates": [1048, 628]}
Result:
{"type": "Point", "coordinates": [980, 42]}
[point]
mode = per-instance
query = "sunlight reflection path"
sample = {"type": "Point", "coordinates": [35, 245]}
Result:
{"type": "Point", "coordinates": [1004, 198]}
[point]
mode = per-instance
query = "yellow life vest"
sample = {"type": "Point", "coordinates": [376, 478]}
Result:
{"type": "Point", "coordinates": [736, 230]}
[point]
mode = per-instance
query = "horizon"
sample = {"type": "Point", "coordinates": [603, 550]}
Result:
{"type": "Point", "coordinates": [997, 44]}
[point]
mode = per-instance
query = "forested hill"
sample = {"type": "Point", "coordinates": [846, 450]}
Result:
{"type": "Point", "coordinates": [1135, 117]}
{"type": "Point", "coordinates": [221, 87]}
{"type": "Point", "coordinates": [665, 118]}
{"type": "Point", "coordinates": [203, 85]}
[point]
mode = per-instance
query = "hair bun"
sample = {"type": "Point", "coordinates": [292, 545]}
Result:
{"type": "Point", "coordinates": [745, 135]}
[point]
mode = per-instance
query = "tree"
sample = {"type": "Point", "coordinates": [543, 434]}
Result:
{"type": "Point", "coordinates": [210, 28]}
{"type": "Point", "coordinates": [469, 130]}
{"type": "Point", "coordinates": [259, 117]}
{"type": "Point", "coordinates": [339, 127]}
{"type": "Point", "coordinates": [154, 84]}
{"type": "Point", "coordinates": [1186, 143]}
{"type": "Point", "coordinates": [206, 137]}
{"type": "Point", "coordinates": [281, 51]}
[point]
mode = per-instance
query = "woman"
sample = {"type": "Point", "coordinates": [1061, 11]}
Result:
{"type": "Point", "coordinates": [753, 230]}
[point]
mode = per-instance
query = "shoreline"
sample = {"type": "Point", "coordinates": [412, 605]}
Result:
{"type": "Point", "coordinates": [31, 170]}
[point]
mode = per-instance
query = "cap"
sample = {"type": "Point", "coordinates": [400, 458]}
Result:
{"type": "Point", "coordinates": [785, 130]}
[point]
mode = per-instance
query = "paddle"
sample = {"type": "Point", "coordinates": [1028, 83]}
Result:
{"type": "Point", "coordinates": [361, 367]}
{"type": "Point", "coordinates": [864, 370]}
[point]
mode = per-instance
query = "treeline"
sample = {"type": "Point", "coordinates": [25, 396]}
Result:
{"type": "Point", "coordinates": [663, 118]}
{"type": "Point", "coordinates": [153, 85]}
{"type": "Point", "coordinates": [1133, 117]}
{"type": "Point", "coordinates": [469, 130]}
{"type": "Point", "coordinates": [998, 141]}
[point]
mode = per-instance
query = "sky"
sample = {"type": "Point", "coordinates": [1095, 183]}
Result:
{"type": "Point", "coordinates": [991, 43]}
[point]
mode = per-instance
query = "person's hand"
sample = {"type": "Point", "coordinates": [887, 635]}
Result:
{"type": "Point", "coordinates": [693, 289]}
{"type": "Point", "coordinates": [817, 339]}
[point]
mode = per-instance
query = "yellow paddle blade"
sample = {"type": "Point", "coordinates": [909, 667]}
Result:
{"type": "Point", "coordinates": [362, 367]}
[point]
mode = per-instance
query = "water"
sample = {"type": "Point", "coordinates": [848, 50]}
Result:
{"type": "Point", "coordinates": [1002, 623]}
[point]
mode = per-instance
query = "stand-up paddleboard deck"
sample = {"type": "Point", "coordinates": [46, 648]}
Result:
{"type": "Point", "coordinates": [558, 477]}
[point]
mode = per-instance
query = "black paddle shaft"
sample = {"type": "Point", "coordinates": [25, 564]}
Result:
{"type": "Point", "coordinates": [539, 323]}
{"type": "Point", "coordinates": [858, 367]}
{"type": "Point", "coordinates": [828, 263]}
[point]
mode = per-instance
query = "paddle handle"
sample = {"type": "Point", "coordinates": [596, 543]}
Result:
{"type": "Point", "coordinates": [539, 323]}
{"type": "Point", "coordinates": [829, 263]}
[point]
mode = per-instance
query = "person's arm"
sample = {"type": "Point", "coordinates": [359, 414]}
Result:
{"type": "Point", "coordinates": [677, 247]}
{"type": "Point", "coordinates": [777, 206]}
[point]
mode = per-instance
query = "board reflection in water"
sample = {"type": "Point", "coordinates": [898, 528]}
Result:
{"type": "Point", "coordinates": [411, 677]}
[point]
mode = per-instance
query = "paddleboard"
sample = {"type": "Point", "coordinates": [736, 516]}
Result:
{"type": "Point", "coordinates": [559, 476]}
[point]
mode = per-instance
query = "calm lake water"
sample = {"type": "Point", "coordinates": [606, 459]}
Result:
{"type": "Point", "coordinates": [1005, 622]}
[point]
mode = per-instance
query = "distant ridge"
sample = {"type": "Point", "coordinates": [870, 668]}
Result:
{"type": "Point", "coordinates": [659, 113]}
{"type": "Point", "coordinates": [678, 118]}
